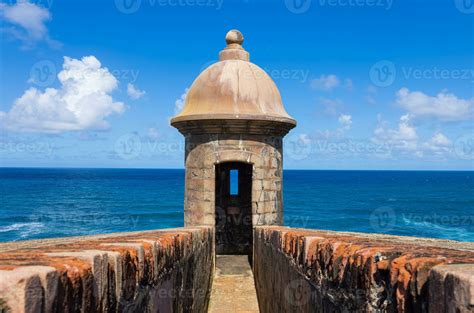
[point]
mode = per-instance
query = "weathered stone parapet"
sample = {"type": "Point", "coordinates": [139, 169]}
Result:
{"type": "Point", "coordinates": [152, 271]}
{"type": "Point", "coordinates": [298, 270]}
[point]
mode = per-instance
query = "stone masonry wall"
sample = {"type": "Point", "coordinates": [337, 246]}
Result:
{"type": "Point", "coordinates": [152, 271]}
{"type": "Point", "coordinates": [298, 270]}
{"type": "Point", "coordinates": [262, 151]}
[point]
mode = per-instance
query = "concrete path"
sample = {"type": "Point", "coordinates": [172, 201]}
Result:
{"type": "Point", "coordinates": [233, 288]}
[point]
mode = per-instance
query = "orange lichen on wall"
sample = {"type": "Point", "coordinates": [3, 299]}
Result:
{"type": "Point", "coordinates": [354, 272]}
{"type": "Point", "coordinates": [107, 273]}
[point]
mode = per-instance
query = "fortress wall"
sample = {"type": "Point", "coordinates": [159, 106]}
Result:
{"type": "Point", "coordinates": [166, 271]}
{"type": "Point", "coordinates": [298, 270]}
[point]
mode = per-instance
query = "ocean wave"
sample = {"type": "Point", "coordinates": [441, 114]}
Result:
{"type": "Point", "coordinates": [443, 231]}
{"type": "Point", "coordinates": [24, 229]}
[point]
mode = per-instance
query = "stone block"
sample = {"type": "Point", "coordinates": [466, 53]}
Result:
{"type": "Point", "coordinates": [451, 288]}
{"type": "Point", "coordinates": [21, 289]}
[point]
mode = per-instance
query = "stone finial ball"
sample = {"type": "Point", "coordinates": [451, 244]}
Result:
{"type": "Point", "coordinates": [234, 36]}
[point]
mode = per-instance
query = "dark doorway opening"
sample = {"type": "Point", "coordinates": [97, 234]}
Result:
{"type": "Point", "coordinates": [234, 208]}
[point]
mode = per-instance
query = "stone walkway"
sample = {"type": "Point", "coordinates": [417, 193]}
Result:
{"type": "Point", "coordinates": [233, 288]}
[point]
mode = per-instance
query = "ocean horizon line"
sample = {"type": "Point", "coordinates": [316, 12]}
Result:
{"type": "Point", "coordinates": [285, 169]}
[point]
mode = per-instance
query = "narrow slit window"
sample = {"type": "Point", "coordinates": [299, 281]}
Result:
{"type": "Point", "coordinates": [234, 182]}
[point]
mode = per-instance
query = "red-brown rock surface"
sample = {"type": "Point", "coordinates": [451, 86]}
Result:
{"type": "Point", "coordinates": [131, 272]}
{"type": "Point", "coordinates": [299, 270]}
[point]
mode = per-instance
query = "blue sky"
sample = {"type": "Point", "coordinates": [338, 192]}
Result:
{"type": "Point", "coordinates": [373, 84]}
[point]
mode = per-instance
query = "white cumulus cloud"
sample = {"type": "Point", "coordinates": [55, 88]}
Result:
{"type": "Point", "coordinates": [345, 121]}
{"type": "Point", "coordinates": [444, 106]}
{"type": "Point", "coordinates": [349, 84]}
{"type": "Point", "coordinates": [370, 97]}
{"type": "Point", "coordinates": [331, 106]}
{"type": "Point", "coordinates": [153, 133]}
{"type": "Point", "coordinates": [82, 101]}
{"type": "Point", "coordinates": [405, 140]}
{"type": "Point", "coordinates": [26, 22]}
{"type": "Point", "coordinates": [402, 138]}
{"type": "Point", "coordinates": [179, 103]}
{"type": "Point", "coordinates": [133, 92]}
{"type": "Point", "coordinates": [438, 144]}
{"type": "Point", "coordinates": [325, 82]}
{"type": "Point", "coordinates": [440, 140]}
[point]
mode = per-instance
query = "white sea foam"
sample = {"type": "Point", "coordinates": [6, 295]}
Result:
{"type": "Point", "coordinates": [24, 229]}
{"type": "Point", "coordinates": [448, 231]}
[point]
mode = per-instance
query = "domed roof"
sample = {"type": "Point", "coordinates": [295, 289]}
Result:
{"type": "Point", "coordinates": [233, 89]}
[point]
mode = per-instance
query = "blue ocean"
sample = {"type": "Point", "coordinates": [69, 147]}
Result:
{"type": "Point", "coordinates": [44, 203]}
